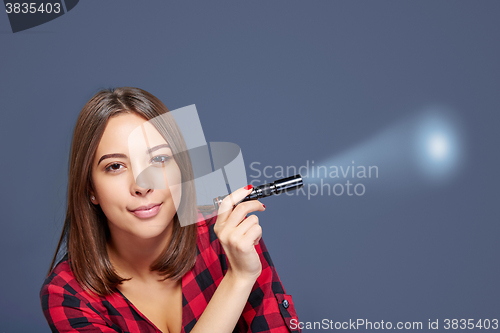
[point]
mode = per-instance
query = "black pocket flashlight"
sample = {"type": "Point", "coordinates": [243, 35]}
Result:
{"type": "Point", "coordinates": [277, 187]}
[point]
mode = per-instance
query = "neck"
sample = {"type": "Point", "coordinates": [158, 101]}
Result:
{"type": "Point", "coordinates": [132, 257]}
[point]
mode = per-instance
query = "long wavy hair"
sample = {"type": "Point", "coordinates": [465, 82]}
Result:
{"type": "Point", "coordinates": [85, 232]}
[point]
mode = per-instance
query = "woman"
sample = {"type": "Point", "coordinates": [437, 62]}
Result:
{"type": "Point", "coordinates": [129, 266]}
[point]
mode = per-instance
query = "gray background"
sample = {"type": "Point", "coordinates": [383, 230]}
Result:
{"type": "Point", "coordinates": [288, 81]}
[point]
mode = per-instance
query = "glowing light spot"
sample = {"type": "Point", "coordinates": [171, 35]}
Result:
{"type": "Point", "coordinates": [438, 146]}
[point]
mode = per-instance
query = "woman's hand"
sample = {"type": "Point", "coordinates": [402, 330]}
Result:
{"type": "Point", "coordinates": [238, 234]}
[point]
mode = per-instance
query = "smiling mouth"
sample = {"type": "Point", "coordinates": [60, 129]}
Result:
{"type": "Point", "coordinates": [147, 211]}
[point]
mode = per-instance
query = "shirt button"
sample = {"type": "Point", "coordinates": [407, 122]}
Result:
{"type": "Point", "coordinates": [285, 304]}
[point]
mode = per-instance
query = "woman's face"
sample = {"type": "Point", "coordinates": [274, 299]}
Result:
{"type": "Point", "coordinates": [131, 210]}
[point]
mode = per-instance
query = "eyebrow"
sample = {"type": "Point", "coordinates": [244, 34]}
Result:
{"type": "Point", "coordinates": [164, 145]}
{"type": "Point", "coordinates": [103, 157]}
{"type": "Point", "coordinates": [117, 155]}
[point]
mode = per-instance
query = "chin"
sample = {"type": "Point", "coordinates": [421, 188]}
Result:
{"type": "Point", "coordinates": [150, 232]}
{"type": "Point", "coordinates": [153, 229]}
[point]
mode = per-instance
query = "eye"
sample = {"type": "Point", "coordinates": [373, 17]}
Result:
{"type": "Point", "coordinates": [114, 167]}
{"type": "Point", "coordinates": [160, 159]}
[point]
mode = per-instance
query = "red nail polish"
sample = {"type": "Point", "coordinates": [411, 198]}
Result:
{"type": "Point", "coordinates": [248, 187]}
{"type": "Point", "coordinates": [263, 205]}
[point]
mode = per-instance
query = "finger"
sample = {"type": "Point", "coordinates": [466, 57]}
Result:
{"type": "Point", "coordinates": [227, 205]}
{"type": "Point", "coordinates": [253, 234]}
{"type": "Point", "coordinates": [242, 210]}
{"type": "Point", "coordinates": [245, 225]}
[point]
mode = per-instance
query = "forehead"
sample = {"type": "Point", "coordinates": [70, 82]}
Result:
{"type": "Point", "coordinates": [126, 130]}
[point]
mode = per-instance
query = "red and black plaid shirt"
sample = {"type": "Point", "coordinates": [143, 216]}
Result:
{"type": "Point", "coordinates": [68, 308]}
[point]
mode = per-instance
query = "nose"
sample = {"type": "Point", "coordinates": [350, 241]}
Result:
{"type": "Point", "coordinates": [142, 186]}
{"type": "Point", "coordinates": [142, 191]}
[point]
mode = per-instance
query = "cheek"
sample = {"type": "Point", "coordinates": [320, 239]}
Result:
{"type": "Point", "coordinates": [176, 193]}
{"type": "Point", "coordinates": [109, 193]}
{"type": "Point", "coordinates": [176, 189]}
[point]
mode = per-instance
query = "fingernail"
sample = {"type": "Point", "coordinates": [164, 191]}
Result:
{"type": "Point", "coordinates": [263, 205]}
{"type": "Point", "coordinates": [248, 187]}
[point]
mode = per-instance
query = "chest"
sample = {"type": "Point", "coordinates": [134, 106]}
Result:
{"type": "Point", "coordinates": [161, 304]}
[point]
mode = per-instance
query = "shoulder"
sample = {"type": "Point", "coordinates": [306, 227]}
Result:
{"type": "Point", "coordinates": [209, 250]}
{"type": "Point", "coordinates": [66, 305]}
{"type": "Point", "coordinates": [61, 284]}
{"type": "Point", "coordinates": [206, 233]}
{"type": "Point", "coordinates": [61, 278]}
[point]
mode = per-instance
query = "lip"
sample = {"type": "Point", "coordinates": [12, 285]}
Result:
{"type": "Point", "coordinates": [148, 211]}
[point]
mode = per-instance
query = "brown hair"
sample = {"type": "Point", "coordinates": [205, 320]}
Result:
{"type": "Point", "coordinates": [85, 230]}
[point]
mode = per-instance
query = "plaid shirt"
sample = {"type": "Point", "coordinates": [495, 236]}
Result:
{"type": "Point", "coordinates": [68, 308]}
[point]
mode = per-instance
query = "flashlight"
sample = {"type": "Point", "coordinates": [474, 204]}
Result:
{"type": "Point", "coordinates": [277, 187]}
